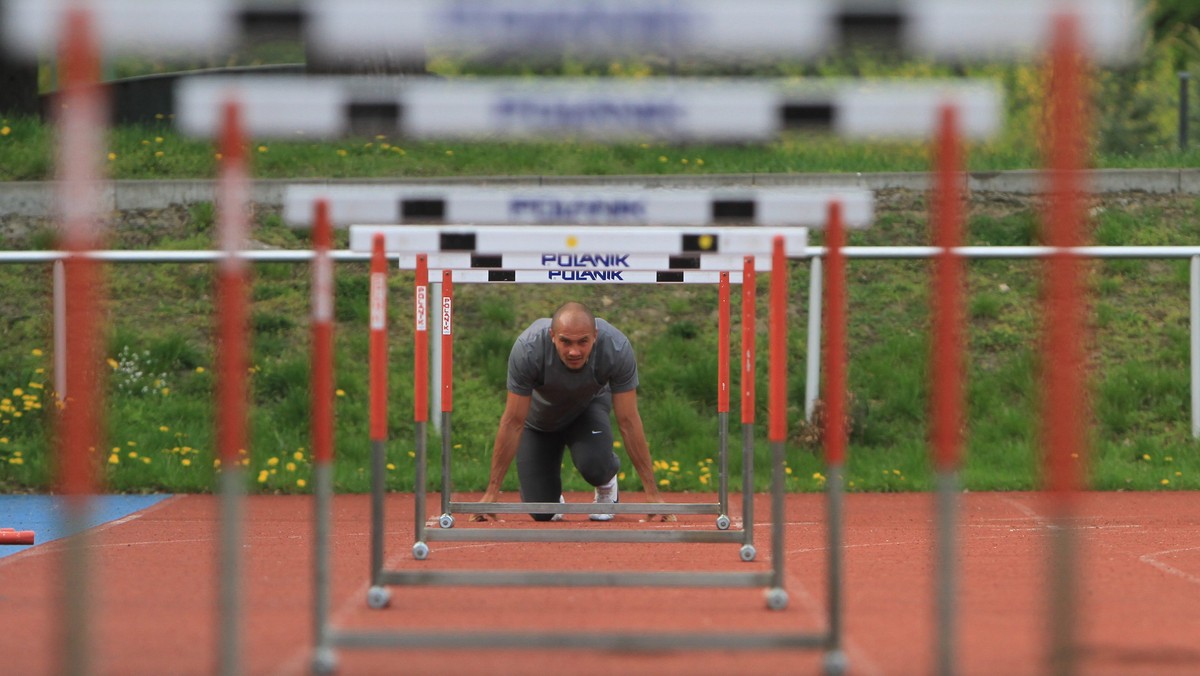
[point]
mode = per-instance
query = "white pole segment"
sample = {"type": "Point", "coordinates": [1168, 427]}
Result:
{"type": "Point", "coordinates": [591, 276]}
{"type": "Point", "coordinates": [126, 26]}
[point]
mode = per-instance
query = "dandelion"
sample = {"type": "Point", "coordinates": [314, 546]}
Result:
{"type": "Point", "coordinates": [391, 467]}
{"type": "Point", "coordinates": [896, 472]}
{"type": "Point", "coordinates": [199, 369]}
{"type": "Point", "coordinates": [133, 455]}
{"type": "Point", "coordinates": [1145, 456]}
{"type": "Point", "coordinates": [1179, 474]}
{"type": "Point", "coordinates": [158, 139]}
{"type": "Point", "coordinates": [412, 454]}
{"type": "Point", "coordinates": [683, 160]}
{"type": "Point", "coordinates": [3, 440]}
{"type": "Point", "coordinates": [5, 130]}
{"type": "Point", "coordinates": [341, 152]}
{"type": "Point", "coordinates": [18, 392]}
{"type": "Point", "coordinates": [112, 363]}
{"type": "Point", "coordinates": [164, 428]}
{"type": "Point", "coordinates": [621, 476]}
{"type": "Point", "coordinates": [187, 462]}
{"type": "Point", "coordinates": [166, 391]}
{"type": "Point", "coordinates": [301, 483]}
{"type": "Point", "coordinates": [662, 158]}
{"type": "Point", "coordinates": [218, 156]}
{"type": "Point", "coordinates": [299, 455]}
{"type": "Point", "coordinates": [114, 459]}
{"type": "Point", "coordinates": [699, 162]}
{"type": "Point", "coordinates": [158, 153]}
{"type": "Point", "coordinates": [272, 462]}
{"type": "Point", "coordinates": [616, 444]}
{"type": "Point", "coordinates": [664, 482]}
{"type": "Point", "coordinates": [449, 153]}
{"type": "Point", "coordinates": [158, 116]}
{"type": "Point", "coordinates": [457, 446]}
{"type": "Point", "coordinates": [340, 392]}
{"type": "Point", "coordinates": [263, 149]}
{"type": "Point", "coordinates": [16, 461]}
{"type": "Point", "coordinates": [262, 476]}
{"type": "Point", "coordinates": [704, 479]}
{"type": "Point", "coordinates": [1165, 482]}
{"type": "Point", "coordinates": [1169, 458]}
{"type": "Point", "coordinates": [145, 460]}
{"type": "Point", "coordinates": [131, 443]}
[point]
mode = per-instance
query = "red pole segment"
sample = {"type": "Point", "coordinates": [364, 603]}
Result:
{"type": "Point", "coordinates": [421, 341]}
{"type": "Point", "coordinates": [322, 336]}
{"type": "Point", "coordinates": [447, 341]}
{"type": "Point", "coordinates": [835, 339]}
{"type": "Point", "coordinates": [947, 358]}
{"type": "Point", "coordinates": [231, 356]}
{"type": "Point", "coordinates": [749, 319]}
{"type": "Point", "coordinates": [80, 112]}
{"type": "Point", "coordinates": [1063, 414]}
{"type": "Point", "coordinates": [723, 345]}
{"type": "Point", "coordinates": [777, 401]}
{"type": "Point", "coordinates": [378, 347]}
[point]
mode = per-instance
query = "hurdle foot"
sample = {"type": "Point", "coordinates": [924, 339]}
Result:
{"type": "Point", "coordinates": [835, 663]}
{"type": "Point", "coordinates": [378, 597]}
{"type": "Point", "coordinates": [777, 598]}
{"type": "Point", "coordinates": [723, 522]}
{"type": "Point", "coordinates": [446, 521]}
{"type": "Point", "coordinates": [324, 662]}
{"type": "Point", "coordinates": [420, 551]}
{"type": "Point", "coordinates": [747, 553]}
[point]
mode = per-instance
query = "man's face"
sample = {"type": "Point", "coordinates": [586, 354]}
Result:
{"type": "Point", "coordinates": [574, 341]}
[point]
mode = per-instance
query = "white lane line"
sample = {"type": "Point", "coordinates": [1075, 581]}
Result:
{"type": "Point", "coordinates": [1152, 560]}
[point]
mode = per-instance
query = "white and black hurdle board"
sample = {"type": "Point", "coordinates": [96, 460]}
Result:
{"type": "Point", "coordinates": [492, 240]}
{"type": "Point", "coordinates": [504, 29]}
{"type": "Point", "coordinates": [717, 109]}
{"type": "Point", "coordinates": [391, 205]}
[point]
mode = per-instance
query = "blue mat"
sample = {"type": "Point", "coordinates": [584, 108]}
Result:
{"type": "Point", "coordinates": [44, 514]}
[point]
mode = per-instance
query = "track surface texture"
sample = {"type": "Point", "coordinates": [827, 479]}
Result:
{"type": "Point", "coordinates": [154, 589]}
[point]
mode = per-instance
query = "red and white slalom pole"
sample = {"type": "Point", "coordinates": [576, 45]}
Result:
{"type": "Point", "coordinates": [232, 361]}
{"type": "Point", "coordinates": [379, 404]}
{"type": "Point", "coordinates": [81, 111]}
{"type": "Point", "coordinates": [946, 361]}
{"type": "Point", "coordinates": [1064, 408]}
{"type": "Point", "coordinates": [322, 429]}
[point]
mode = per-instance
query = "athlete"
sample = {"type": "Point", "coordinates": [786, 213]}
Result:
{"type": "Point", "coordinates": [565, 374]}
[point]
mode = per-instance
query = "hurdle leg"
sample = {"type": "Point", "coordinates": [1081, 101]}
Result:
{"type": "Point", "coordinates": [747, 367]}
{"type": "Point", "coordinates": [420, 549]}
{"type": "Point", "coordinates": [378, 596]}
{"type": "Point", "coordinates": [723, 401]}
{"type": "Point", "coordinates": [777, 598]}
{"type": "Point", "coordinates": [446, 520]}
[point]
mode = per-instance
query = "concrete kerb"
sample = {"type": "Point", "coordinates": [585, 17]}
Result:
{"type": "Point", "coordinates": [36, 198]}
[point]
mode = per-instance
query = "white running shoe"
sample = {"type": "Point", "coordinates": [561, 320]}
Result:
{"type": "Point", "coordinates": [559, 517]}
{"type": "Point", "coordinates": [605, 494]}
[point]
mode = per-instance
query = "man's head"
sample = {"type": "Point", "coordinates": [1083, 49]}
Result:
{"type": "Point", "coordinates": [573, 330]}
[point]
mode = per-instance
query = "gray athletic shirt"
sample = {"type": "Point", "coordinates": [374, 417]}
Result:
{"type": "Point", "coordinates": [558, 394]}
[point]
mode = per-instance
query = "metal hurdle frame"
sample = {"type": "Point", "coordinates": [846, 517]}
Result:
{"type": "Point", "coordinates": [328, 638]}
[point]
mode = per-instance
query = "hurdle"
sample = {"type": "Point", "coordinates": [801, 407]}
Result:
{"type": "Point", "coordinates": [504, 240]}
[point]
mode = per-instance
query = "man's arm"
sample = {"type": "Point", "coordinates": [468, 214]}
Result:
{"type": "Point", "coordinates": [516, 408]}
{"type": "Point", "coordinates": [630, 423]}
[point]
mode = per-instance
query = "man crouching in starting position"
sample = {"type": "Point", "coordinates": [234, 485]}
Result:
{"type": "Point", "coordinates": [565, 374]}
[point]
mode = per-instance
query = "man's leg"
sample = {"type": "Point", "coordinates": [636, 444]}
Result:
{"type": "Point", "coordinates": [539, 468]}
{"type": "Point", "coordinates": [590, 440]}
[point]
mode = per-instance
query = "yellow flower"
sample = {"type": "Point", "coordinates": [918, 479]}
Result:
{"type": "Point", "coordinates": [166, 391]}
{"type": "Point", "coordinates": [158, 139]}
{"type": "Point", "coordinates": [683, 160]}
{"type": "Point", "coordinates": [1165, 482]}
{"type": "Point", "coordinates": [662, 158]}
{"type": "Point", "coordinates": [114, 459]}
{"type": "Point", "coordinates": [291, 466]}
{"type": "Point", "coordinates": [3, 440]}
{"type": "Point", "coordinates": [449, 153]}
{"type": "Point", "coordinates": [272, 462]}
{"type": "Point", "coordinates": [340, 392]}
{"type": "Point", "coordinates": [262, 476]}
{"type": "Point", "coordinates": [16, 461]}
{"type": "Point", "coordinates": [664, 482]}
{"type": "Point", "coordinates": [342, 152]}
{"type": "Point", "coordinates": [146, 461]}
{"type": "Point", "coordinates": [5, 130]}
{"type": "Point", "coordinates": [616, 444]}
{"type": "Point", "coordinates": [621, 476]}
{"type": "Point", "coordinates": [187, 462]}
{"type": "Point", "coordinates": [1145, 456]}
{"type": "Point", "coordinates": [391, 467]}
{"type": "Point", "coordinates": [699, 161]}
{"type": "Point", "coordinates": [299, 455]}
{"type": "Point", "coordinates": [158, 153]}
{"type": "Point", "coordinates": [704, 479]}
{"type": "Point", "coordinates": [218, 156]}
{"type": "Point", "coordinates": [301, 483]}
{"type": "Point", "coordinates": [133, 454]}
{"type": "Point", "coordinates": [112, 156]}
{"type": "Point", "coordinates": [199, 369]}
{"type": "Point", "coordinates": [262, 149]}
{"type": "Point", "coordinates": [112, 363]}
{"type": "Point", "coordinates": [164, 428]}
{"type": "Point", "coordinates": [18, 391]}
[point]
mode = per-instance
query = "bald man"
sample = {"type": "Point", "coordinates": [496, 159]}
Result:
{"type": "Point", "coordinates": [566, 374]}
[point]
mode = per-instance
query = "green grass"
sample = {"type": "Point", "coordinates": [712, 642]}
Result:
{"type": "Point", "coordinates": [160, 381]}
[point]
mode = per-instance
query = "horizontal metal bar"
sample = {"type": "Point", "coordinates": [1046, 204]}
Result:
{"type": "Point", "coordinates": [580, 535]}
{"type": "Point", "coordinates": [540, 640]}
{"type": "Point", "coordinates": [530, 578]}
{"type": "Point", "coordinates": [872, 252]}
{"type": "Point", "coordinates": [585, 508]}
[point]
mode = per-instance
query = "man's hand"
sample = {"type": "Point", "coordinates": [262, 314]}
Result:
{"type": "Point", "coordinates": [489, 496]}
{"type": "Point", "coordinates": [655, 497]}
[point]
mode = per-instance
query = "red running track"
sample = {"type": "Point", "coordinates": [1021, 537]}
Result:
{"type": "Point", "coordinates": [155, 591]}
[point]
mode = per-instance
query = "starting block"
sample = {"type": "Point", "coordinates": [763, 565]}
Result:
{"type": "Point", "coordinates": [12, 536]}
